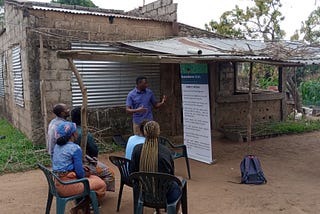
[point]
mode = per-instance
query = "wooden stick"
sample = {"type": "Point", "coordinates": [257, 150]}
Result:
{"type": "Point", "coordinates": [84, 125]}
{"type": "Point", "coordinates": [250, 109]}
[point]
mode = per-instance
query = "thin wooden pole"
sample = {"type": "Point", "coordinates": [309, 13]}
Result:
{"type": "Point", "coordinates": [83, 107]}
{"type": "Point", "coordinates": [249, 125]}
{"type": "Point", "coordinates": [43, 89]}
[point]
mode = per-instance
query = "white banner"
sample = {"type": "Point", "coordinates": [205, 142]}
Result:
{"type": "Point", "coordinates": [196, 111]}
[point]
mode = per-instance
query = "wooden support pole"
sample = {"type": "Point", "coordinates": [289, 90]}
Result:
{"type": "Point", "coordinates": [84, 107]}
{"type": "Point", "coordinates": [43, 89]}
{"type": "Point", "coordinates": [249, 125]}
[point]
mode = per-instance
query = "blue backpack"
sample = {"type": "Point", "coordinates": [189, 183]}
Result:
{"type": "Point", "coordinates": [251, 171]}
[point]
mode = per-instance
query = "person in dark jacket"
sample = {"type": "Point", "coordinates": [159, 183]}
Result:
{"type": "Point", "coordinates": [92, 149]}
{"type": "Point", "coordinates": [154, 157]}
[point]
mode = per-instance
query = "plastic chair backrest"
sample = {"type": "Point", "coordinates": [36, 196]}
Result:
{"type": "Point", "coordinates": [153, 187]}
{"type": "Point", "coordinates": [50, 179]}
{"type": "Point", "coordinates": [166, 142]}
{"type": "Point", "coordinates": [178, 151]}
{"type": "Point", "coordinates": [123, 166]}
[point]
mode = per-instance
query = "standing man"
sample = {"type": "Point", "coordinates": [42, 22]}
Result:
{"type": "Point", "coordinates": [62, 112]}
{"type": "Point", "coordinates": [140, 101]}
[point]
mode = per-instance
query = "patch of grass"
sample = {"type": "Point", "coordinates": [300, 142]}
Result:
{"type": "Point", "coordinates": [17, 152]}
{"type": "Point", "coordinates": [290, 127]}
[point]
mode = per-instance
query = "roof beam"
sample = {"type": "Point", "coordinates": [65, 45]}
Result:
{"type": "Point", "coordinates": [161, 58]}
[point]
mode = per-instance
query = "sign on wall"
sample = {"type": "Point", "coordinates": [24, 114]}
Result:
{"type": "Point", "coordinates": [196, 111]}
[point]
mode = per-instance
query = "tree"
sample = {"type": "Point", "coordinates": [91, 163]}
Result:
{"type": "Point", "coordinates": [84, 3]}
{"type": "Point", "coordinates": [311, 27]}
{"type": "Point", "coordinates": [261, 21]}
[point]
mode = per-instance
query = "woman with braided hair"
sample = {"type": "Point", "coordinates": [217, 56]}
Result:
{"type": "Point", "coordinates": [154, 157]}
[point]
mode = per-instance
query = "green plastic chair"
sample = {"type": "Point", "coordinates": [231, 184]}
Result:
{"type": "Point", "coordinates": [61, 201]}
{"type": "Point", "coordinates": [123, 166]}
{"type": "Point", "coordinates": [152, 188]}
{"type": "Point", "coordinates": [178, 151]}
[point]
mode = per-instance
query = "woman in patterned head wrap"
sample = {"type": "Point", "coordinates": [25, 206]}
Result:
{"type": "Point", "coordinates": [67, 163]}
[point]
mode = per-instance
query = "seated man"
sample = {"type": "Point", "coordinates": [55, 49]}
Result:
{"type": "Point", "coordinates": [62, 112]}
{"type": "Point", "coordinates": [135, 140]}
{"type": "Point", "coordinates": [96, 167]}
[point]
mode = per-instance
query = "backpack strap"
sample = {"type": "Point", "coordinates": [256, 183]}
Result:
{"type": "Point", "coordinates": [246, 169]}
{"type": "Point", "coordinates": [257, 166]}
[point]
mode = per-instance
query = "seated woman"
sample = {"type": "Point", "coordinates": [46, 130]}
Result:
{"type": "Point", "coordinates": [96, 167]}
{"type": "Point", "coordinates": [154, 157]}
{"type": "Point", "coordinates": [67, 163]}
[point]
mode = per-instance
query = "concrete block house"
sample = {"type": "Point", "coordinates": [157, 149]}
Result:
{"type": "Point", "coordinates": [33, 78]}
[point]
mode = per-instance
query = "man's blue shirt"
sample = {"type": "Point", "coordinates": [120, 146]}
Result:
{"type": "Point", "coordinates": [132, 142]}
{"type": "Point", "coordinates": [136, 99]}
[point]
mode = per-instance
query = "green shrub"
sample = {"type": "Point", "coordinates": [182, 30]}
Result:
{"type": "Point", "coordinates": [310, 92]}
{"type": "Point", "coordinates": [292, 127]}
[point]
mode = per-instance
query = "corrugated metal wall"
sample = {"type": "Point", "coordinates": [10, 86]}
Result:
{"type": "Point", "coordinates": [108, 83]}
{"type": "Point", "coordinates": [1, 76]}
{"type": "Point", "coordinates": [17, 76]}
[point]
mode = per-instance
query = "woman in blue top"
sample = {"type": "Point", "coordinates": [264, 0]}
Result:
{"type": "Point", "coordinates": [67, 163]}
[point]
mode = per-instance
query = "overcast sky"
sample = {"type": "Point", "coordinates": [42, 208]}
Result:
{"type": "Point", "coordinates": [197, 13]}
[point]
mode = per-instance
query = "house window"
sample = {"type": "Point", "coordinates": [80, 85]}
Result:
{"type": "Point", "coordinates": [1, 76]}
{"type": "Point", "coordinates": [17, 76]}
{"type": "Point", "coordinates": [265, 78]}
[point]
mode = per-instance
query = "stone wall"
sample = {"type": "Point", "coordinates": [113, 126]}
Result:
{"type": "Point", "coordinates": [164, 10]}
{"type": "Point", "coordinates": [15, 35]}
{"type": "Point", "coordinates": [235, 114]}
{"type": "Point", "coordinates": [232, 109]}
{"type": "Point", "coordinates": [76, 27]}
{"type": "Point", "coordinates": [187, 30]}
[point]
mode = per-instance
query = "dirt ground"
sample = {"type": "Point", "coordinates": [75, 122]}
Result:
{"type": "Point", "coordinates": [290, 163]}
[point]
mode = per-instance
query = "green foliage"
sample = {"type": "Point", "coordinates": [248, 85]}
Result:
{"type": "Point", "coordinates": [84, 3]}
{"type": "Point", "coordinates": [17, 152]}
{"type": "Point", "coordinates": [307, 71]}
{"type": "Point", "coordinates": [264, 75]}
{"type": "Point", "coordinates": [116, 148]}
{"type": "Point", "coordinates": [295, 36]}
{"type": "Point", "coordinates": [227, 26]}
{"type": "Point", "coordinates": [265, 83]}
{"type": "Point", "coordinates": [293, 127]}
{"type": "Point", "coordinates": [311, 27]}
{"type": "Point", "coordinates": [310, 92]}
{"type": "Point", "coordinates": [262, 21]}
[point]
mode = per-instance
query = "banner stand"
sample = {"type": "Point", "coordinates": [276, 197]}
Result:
{"type": "Point", "coordinates": [196, 111]}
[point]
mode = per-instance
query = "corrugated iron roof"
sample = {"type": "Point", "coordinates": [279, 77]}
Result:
{"type": "Point", "coordinates": [208, 48]}
{"type": "Point", "coordinates": [87, 12]}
